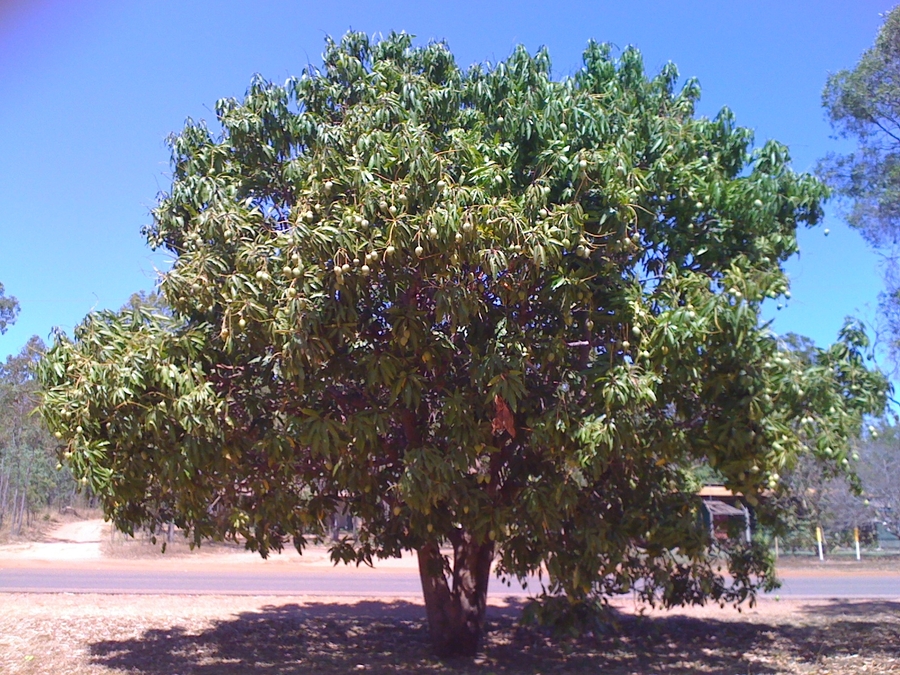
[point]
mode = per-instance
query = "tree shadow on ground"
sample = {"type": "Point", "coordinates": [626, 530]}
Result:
{"type": "Point", "coordinates": [378, 637]}
{"type": "Point", "coordinates": [837, 608]}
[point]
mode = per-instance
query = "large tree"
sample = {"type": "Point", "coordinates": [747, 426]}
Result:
{"type": "Point", "coordinates": [863, 105]}
{"type": "Point", "coordinates": [496, 317]}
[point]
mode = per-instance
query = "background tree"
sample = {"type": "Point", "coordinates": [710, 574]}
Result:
{"type": "Point", "coordinates": [483, 309]}
{"type": "Point", "coordinates": [879, 472]}
{"type": "Point", "coordinates": [9, 308]}
{"type": "Point", "coordinates": [30, 476]}
{"type": "Point", "coordinates": [818, 493]}
{"type": "Point", "coordinates": [29, 479]}
{"type": "Point", "coordinates": [142, 300]}
{"type": "Point", "coordinates": [863, 104]}
{"type": "Point", "coordinates": [817, 497]}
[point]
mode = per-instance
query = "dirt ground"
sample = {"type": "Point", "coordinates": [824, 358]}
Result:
{"type": "Point", "coordinates": [163, 635]}
{"type": "Point", "coordinates": [95, 634]}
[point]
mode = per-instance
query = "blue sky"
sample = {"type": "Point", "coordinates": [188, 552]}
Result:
{"type": "Point", "coordinates": [90, 90]}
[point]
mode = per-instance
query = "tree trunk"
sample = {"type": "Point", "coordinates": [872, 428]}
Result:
{"type": "Point", "coordinates": [14, 530]}
{"type": "Point", "coordinates": [4, 489]}
{"type": "Point", "coordinates": [455, 607]}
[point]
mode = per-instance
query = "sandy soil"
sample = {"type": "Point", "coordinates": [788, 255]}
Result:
{"type": "Point", "coordinates": [94, 542]}
{"type": "Point", "coordinates": [78, 540]}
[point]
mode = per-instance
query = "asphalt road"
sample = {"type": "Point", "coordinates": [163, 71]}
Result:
{"type": "Point", "coordinates": [259, 580]}
{"type": "Point", "coordinates": [234, 581]}
{"type": "Point", "coordinates": [846, 585]}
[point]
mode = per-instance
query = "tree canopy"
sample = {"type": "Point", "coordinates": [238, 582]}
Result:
{"type": "Point", "coordinates": [9, 309]}
{"type": "Point", "coordinates": [863, 104]}
{"type": "Point", "coordinates": [482, 309]}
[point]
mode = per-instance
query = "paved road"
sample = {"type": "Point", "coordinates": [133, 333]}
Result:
{"type": "Point", "coordinates": [232, 581]}
{"type": "Point", "coordinates": [295, 580]}
{"type": "Point", "coordinates": [816, 584]}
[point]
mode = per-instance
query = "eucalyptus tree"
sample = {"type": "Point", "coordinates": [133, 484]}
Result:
{"type": "Point", "coordinates": [28, 480]}
{"type": "Point", "coordinates": [879, 473]}
{"type": "Point", "coordinates": [9, 309]}
{"type": "Point", "coordinates": [863, 105]}
{"type": "Point", "coordinates": [495, 316]}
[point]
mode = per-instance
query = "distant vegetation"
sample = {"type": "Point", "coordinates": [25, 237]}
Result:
{"type": "Point", "coordinates": [31, 477]}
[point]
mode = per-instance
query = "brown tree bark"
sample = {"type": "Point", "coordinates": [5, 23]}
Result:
{"type": "Point", "coordinates": [456, 606]}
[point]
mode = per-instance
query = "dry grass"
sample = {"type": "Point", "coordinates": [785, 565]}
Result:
{"type": "Point", "coordinates": [212, 635]}
{"type": "Point", "coordinates": [139, 547]}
